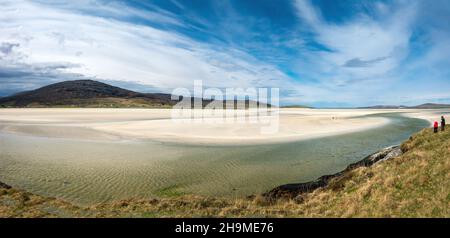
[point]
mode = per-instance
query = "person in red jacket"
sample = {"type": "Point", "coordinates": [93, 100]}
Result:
{"type": "Point", "coordinates": [436, 126]}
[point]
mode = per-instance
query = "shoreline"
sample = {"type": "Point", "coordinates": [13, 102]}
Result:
{"type": "Point", "coordinates": [156, 125]}
{"type": "Point", "coordinates": [305, 161]}
{"type": "Point", "coordinates": [358, 191]}
{"type": "Point", "coordinates": [294, 190]}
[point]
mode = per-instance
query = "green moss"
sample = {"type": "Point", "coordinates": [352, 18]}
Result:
{"type": "Point", "coordinates": [150, 215]}
{"type": "Point", "coordinates": [170, 191]}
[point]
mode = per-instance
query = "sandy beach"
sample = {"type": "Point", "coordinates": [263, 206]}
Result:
{"type": "Point", "coordinates": [88, 156]}
{"type": "Point", "coordinates": [158, 125]}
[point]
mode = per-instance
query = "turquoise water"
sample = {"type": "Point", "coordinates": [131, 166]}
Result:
{"type": "Point", "coordinates": [88, 172]}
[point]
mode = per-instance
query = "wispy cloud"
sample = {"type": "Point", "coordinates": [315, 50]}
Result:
{"type": "Point", "coordinates": [107, 48]}
{"type": "Point", "coordinates": [376, 52]}
{"type": "Point", "coordinates": [357, 62]}
{"type": "Point", "coordinates": [365, 56]}
{"type": "Point", "coordinates": [363, 41]}
{"type": "Point", "coordinates": [6, 48]}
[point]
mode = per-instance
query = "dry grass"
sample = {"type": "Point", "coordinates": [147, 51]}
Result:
{"type": "Point", "coordinates": [416, 184]}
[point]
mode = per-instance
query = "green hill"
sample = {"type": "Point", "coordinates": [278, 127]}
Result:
{"type": "Point", "coordinates": [93, 94]}
{"type": "Point", "coordinates": [85, 93]}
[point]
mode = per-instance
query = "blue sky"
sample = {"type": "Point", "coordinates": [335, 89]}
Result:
{"type": "Point", "coordinates": [322, 53]}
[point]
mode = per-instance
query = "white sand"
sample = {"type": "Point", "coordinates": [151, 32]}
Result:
{"type": "Point", "coordinates": [430, 115]}
{"type": "Point", "coordinates": [156, 124]}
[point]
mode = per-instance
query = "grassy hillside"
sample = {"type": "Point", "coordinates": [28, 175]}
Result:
{"type": "Point", "coordinates": [107, 102]}
{"type": "Point", "coordinates": [93, 94]}
{"type": "Point", "coordinates": [85, 93]}
{"type": "Point", "coordinates": [415, 184]}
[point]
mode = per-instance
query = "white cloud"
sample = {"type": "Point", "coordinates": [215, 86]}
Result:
{"type": "Point", "coordinates": [363, 38]}
{"type": "Point", "coordinates": [369, 57]}
{"type": "Point", "coordinates": [362, 52]}
{"type": "Point", "coordinates": [108, 48]}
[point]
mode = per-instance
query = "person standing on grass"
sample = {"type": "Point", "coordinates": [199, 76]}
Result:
{"type": "Point", "coordinates": [436, 126]}
{"type": "Point", "coordinates": [442, 123]}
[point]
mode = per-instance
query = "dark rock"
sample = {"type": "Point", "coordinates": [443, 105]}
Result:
{"type": "Point", "coordinates": [299, 198]}
{"type": "Point", "coordinates": [4, 185]}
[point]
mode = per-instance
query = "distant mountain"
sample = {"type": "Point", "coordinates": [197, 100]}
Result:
{"type": "Point", "coordinates": [384, 107]}
{"type": "Point", "coordinates": [422, 106]}
{"type": "Point", "coordinates": [431, 106]}
{"type": "Point", "coordinates": [90, 93]}
{"type": "Point", "coordinates": [297, 106]}
{"type": "Point", "coordinates": [85, 93]}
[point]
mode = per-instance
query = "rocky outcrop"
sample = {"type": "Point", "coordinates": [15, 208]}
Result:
{"type": "Point", "coordinates": [4, 185]}
{"type": "Point", "coordinates": [291, 191]}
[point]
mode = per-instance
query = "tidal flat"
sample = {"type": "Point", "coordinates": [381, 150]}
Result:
{"type": "Point", "coordinates": [113, 166]}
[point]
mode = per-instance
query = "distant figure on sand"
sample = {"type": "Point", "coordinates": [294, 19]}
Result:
{"type": "Point", "coordinates": [436, 126]}
{"type": "Point", "coordinates": [442, 123]}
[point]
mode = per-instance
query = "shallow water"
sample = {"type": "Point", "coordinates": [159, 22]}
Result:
{"type": "Point", "coordinates": [87, 172]}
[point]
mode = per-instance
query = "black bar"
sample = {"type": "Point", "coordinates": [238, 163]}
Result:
{"type": "Point", "coordinates": [253, 227]}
